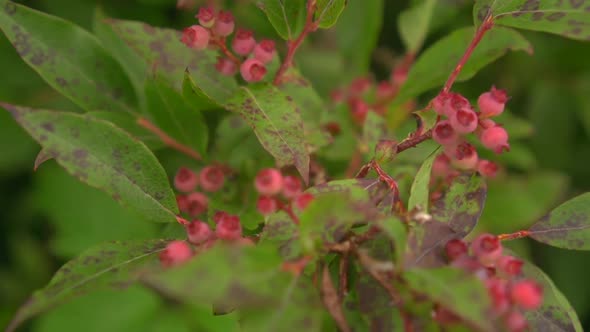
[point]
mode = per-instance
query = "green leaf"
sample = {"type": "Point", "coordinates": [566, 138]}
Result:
{"type": "Point", "coordinates": [281, 232]}
{"type": "Point", "coordinates": [413, 24]}
{"type": "Point", "coordinates": [420, 191]}
{"type": "Point", "coordinates": [433, 67]}
{"type": "Point", "coordinates": [110, 265]}
{"type": "Point", "coordinates": [128, 122]}
{"type": "Point", "coordinates": [566, 18]}
{"type": "Point", "coordinates": [396, 231]}
{"type": "Point", "coordinates": [567, 226]}
{"type": "Point", "coordinates": [103, 156]}
{"type": "Point", "coordinates": [276, 122]}
{"type": "Point", "coordinates": [328, 11]}
{"type": "Point", "coordinates": [196, 97]}
{"type": "Point", "coordinates": [169, 112]}
{"type": "Point", "coordinates": [374, 129]}
{"type": "Point", "coordinates": [68, 58]}
{"type": "Point", "coordinates": [286, 16]}
{"type": "Point", "coordinates": [376, 190]}
{"type": "Point", "coordinates": [456, 291]}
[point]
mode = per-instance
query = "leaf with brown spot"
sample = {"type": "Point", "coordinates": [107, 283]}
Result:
{"type": "Point", "coordinates": [103, 156]}
{"type": "Point", "coordinates": [128, 123]}
{"type": "Point", "coordinates": [567, 226]}
{"type": "Point", "coordinates": [110, 265]}
{"type": "Point", "coordinates": [426, 244]}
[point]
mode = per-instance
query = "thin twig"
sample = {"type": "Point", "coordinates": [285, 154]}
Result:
{"type": "Point", "coordinates": [221, 44]}
{"type": "Point", "coordinates": [169, 141]}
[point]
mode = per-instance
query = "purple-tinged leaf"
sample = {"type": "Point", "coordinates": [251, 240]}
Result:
{"type": "Point", "coordinates": [567, 226]}
{"type": "Point", "coordinates": [426, 244]}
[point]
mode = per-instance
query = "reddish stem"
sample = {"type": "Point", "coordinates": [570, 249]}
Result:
{"type": "Point", "coordinates": [289, 210]}
{"type": "Point", "coordinates": [411, 142]}
{"type": "Point", "coordinates": [223, 47]}
{"type": "Point", "coordinates": [513, 236]}
{"type": "Point", "coordinates": [169, 141]}
{"type": "Point", "coordinates": [293, 45]}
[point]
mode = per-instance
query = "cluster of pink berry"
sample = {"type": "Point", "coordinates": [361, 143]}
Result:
{"type": "Point", "coordinates": [250, 56]}
{"type": "Point", "coordinates": [271, 185]}
{"type": "Point", "coordinates": [186, 181]}
{"type": "Point", "coordinates": [509, 291]}
{"type": "Point", "coordinates": [462, 119]}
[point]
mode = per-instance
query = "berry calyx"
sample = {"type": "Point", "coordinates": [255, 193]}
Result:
{"type": "Point", "coordinates": [495, 139]}
{"type": "Point", "coordinates": [243, 42]}
{"type": "Point", "coordinates": [185, 180]}
{"type": "Point", "coordinates": [464, 120]}
{"type": "Point", "coordinates": [224, 24]}
{"type": "Point", "coordinates": [182, 202]}
{"type": "Point", "coordinates": [252, 70]}
{"type": "Point", "coordinates": [487, 248]}
{"type": "Point", "coordinates": [527, 294]}
{"type": "Point", "coordinates": [198, 232]}
{"type": "Point", "coordinates": [455, 248]}
{"type": "Point", "coordinates": [463, 156]}
{"type": "Point", "coordinates": [291, 186]}
{"type": "Point", "coordinates": [225, 66]}
{"type": "Point", "coordinates": [269, 182]}
{"type": "Point", "coordinates": [195, 37]}
{"type": "Point", "coordinates": [211, 178]}
{"type": "Point", "coordinates": [176, 252]}
{"type": "Point", "coordinates": [206, 16]}
{"type": "Point", "coordinates": [492, 103]}
{"type": "Point", "coordinates": [441, 165]}
{"type": "Point", "coordinates": [266, 205]}
{"type": "Point", "coordinates": [229, 228]}
{"type": "Point", "coordinates": [265, 50]}
{"type": "Point", "coordinates": [444, 134]}
{"type": "Point", "coordinates": [197, 203]}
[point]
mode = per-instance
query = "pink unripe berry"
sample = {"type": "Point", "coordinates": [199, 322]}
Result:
{"type": "Point", "coordinates": [444, 134]}
{"type": "Point", "coordinates": [269, 182]}
{"type": "Point", "coordinates": [515, 321]}
{"type": "Point", "coordinates": [229, 228]}
{"type": "Point", "coordinates": [487, 248]}
{"type": "Point", "coordinates": [455, 248]}
{"type": "Point", "coordinates": [185, 180]}
{"type": "Point", "coordinates": [243, 42]}
{"type": "Point", "coordinates": [182, 202]}
{"type": "Point", "coordinates": [399, 75]}
{"type": "Point", "coordinates": [441, 165]}
{"type": "Point", "coordinates": [385, 90]}
{"type": "Point", "coordinates": [195, 37]}
{"type": "Point", "coordinates": [176, 252]}
{"type": "Point", "coordinates": [495, 139]}
{"type": "Point", "coordinates": [498, 292]}
{"type": "Point", "coordinates": [265, 50]}
{"type": "Point", "coordinates": [211, 178]}
{"type": "Point", "coordinates": [359, 86]}
{"type": "Point", "coordinates": [226, 67]}
{"type": "Point", "coordinates": [337, 96]}
{"type": "Point", "coordinates": [467, 264]}
{"type": "Point", "coordinates": [463, 156]}
{"type": "Point", "coordinates": [266, 205]}
{"type": "Point", "coordinates": [359, 110]}
{"type": "Point", "coordinates": [196, 203]}
{"type": "Point", "coordinates": [219, 216]}
{"type": "Point", "coordinates": [509, 265]}
{"type": "Point", "coordinates": [252, 70]}
{"type": "Point", "coordinates": [302, 200]}
{"type": "Point", "coordinates": [464, 120]}
{"type": "Point", "coordinates": [439, 103]}
{"type": "Point", "coordinates": [224, 24]}
{"type": "Point", "coordinates": [206, 16]}
{"type": "Point", "coordinates": [198, 232]}
{"type": "Point", "coordinates": [527, 294]}
{"type": "Point", "coordinates": [492, 103]}
{"type": "Point", "coordinates": [291, 186]}
{"type": "Point", "coordinates": [456, 102]}
{"type": "Point", "coordinates": [487, 168]}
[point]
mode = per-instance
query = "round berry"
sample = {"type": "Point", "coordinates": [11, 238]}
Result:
{"type": "Point", "coordinates": [337, 96]}
{"type": "Point", "coordinates": [444, 134]}
{"type": "Point", "coordinates": [266, 205]}
{"type": "Point", "coordinates": [463, 156]}
{"type": "Point", "coordinates": [206, 16]}
{"type": "Point", "coordinates": [527, 294]}
{"type": "Point", "coordinates": [359, 109]}
{"type": "Point", "coordinates": [455, 248]}
{"type": "Point", "coordinates": [229, 228]}
{"type": "Point", "coordinates": [487, 168]}
{"type": "Point", "coordinates": [495, 139]}
{"type": "Point", "coordinates": [487, 248]}
{"type": "Point", "coordinates": [224, 24]}
{"type": "Point", "coordinates": [359, 86]}
{"type": "Point", "coordinates": [492, 103]}
{"type": "Point", "coordinates": [464, 120]}
{"type": "Point", "coordinates": [198, 232]}
{"type": "Point", "coordinates": [185, 180]}
{"type": "Point", "coordinates": [302, 200]}
{"type": "Point", "coordinates": [385, 90]}
{"type": "Point", "coordinates": [243, 42]}
{"type": "Point", "coordinates": [219, 216]}
{"type": "Point", "coordinates": [265, 50]}
{"type": "Point", "coordinates": [439, 102]}
{"type": "Point", "coordinates": [195, 37]}
{"type": "Point", "coordinates": [455, 102]}
{"type": "Point", "coordinates": [211, 178]}
{"type": "Point", "coordinates": [510, 265]}
{"type": "Point", "coordinates": [441, 165]}
{"type": "Point", "coordinates": [399, 75]}
{"type": "Point", "coordinates": [252, 70]}
{"type": "Point", "coordinates": [196, 203]}
{"type": "Point", "coordinates": [176, 252]}
{"type": "Point", "coordinates": [498, 292]}
{"type": "Point", "coordinates": [182, 202]}
{"type": "Point", "coordinates": [269, 182]}
{"type": "Point", "coordinates": [291, 186]}
{"type": "Point", "coordinates": [515, 321]}
{"type": "Point", "coordinates": [225, 66]}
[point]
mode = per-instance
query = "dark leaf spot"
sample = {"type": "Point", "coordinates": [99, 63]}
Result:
{"type": "Point", "coordinates": [10, 8]}
{"type": "Point", "coordinates": [555, 16]}
{"type": "Point", "coordinates": [48, 126]}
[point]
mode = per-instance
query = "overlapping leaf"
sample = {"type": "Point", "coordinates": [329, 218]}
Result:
{"type": "Point", "coordinates": [286, 16]}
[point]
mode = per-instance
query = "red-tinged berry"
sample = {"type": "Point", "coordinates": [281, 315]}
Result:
{"type": "Point", "coordinates": [359, 109]}
{"type": "Point", "coordinates": [441, 165]}
{"type": "Point", "coordinates": [498, 292]}
{"type": "Point", "coordinates": [243, 42]}
{"type": "Point", "coordinates": [269, 182]}
{"type": "Point", "coordinates": [337, 96]}
{"type": "Point", "coordinates": [224, 24]}
{"type": "Point", "coordinates": [302, 200]}
{"type": "Point", "coordinates": [467, 264]}
{"type": "Point", "coordinates": [439, 102]}
{"type": "Point", "coordinates": [385, 90]}
{"type": "Point", "coordinates": [495, 139]}
{"type": "Point", "coordinates": [265, 50]}
{"type": "Point", "coordinates": [211, 178]}
{"type": "Point", "coordinates": [252, 70]}
{"type": "Point", "coordinates": [515, 321]}
{"type": "Point", "coordinates": [176, 252]}
{"type": "Point", "coordinates": [206, 16]}
{"type": "Point", "coordinates": [463, 156]}
{"type": "Point", "coordinates": [197, 203]}
{"type": "Point", "coordinates": [359, 86]}
{"type": "Point", "coordinates": [226, 66]}
{"type": "Point", "coordinates": [266, 205]}
{"type": "Point", "coordinates": [185, 180]}
{"type": "Point", "coordinates": [399, 75]}
{"type": "Point", "coordinates": [492, 103]}
{"type": "Point", "coordinates": [198, 232]}
{"type": "Point", "coordinates": [182, 202]}
{"type": "Point", "coordinates": [487, 248]}
{"type": "Point", "coordinates": [464, 120]}
{"type": "Point", "coordinates": [456, 102]}
{"type": "Point", "coordinates": [246, 241]}
{"type": "Point", "coordinates": [195, 37]}
{"type": "Point", "coordinates": [527, 294]}
{"type": "Point", "coordinates": [333, 128]}
{"type": "Point", "coordinates": [219, 216]}
{"type": "Point", "coordinates": [510, 265]}
{"type": "Point", "coordinates": [487, 168]}
{"type": "Point", "coordinates": [291, 186]}
{"type": "Point", "coordinates": [455, 248]}
{"type": "Point", "coordinates": [229, 228]}
{"type": "Point", "coordinates": [444, 134]}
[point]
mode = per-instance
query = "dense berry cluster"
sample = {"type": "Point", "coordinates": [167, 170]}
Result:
{"type": "Point", "coordinates": [458, 118]}
{"type": "Point", "coordinates": [249, 57]}
{"type": "Point", "coordinates": [191, 202]}
{"type": "Point", "coordinates": [509, 292]}
{"type": "Point", "coordinates": [279, 192]}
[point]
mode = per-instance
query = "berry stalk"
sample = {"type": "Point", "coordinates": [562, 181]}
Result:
{"type": "Point", "coordinates": [169, 141]}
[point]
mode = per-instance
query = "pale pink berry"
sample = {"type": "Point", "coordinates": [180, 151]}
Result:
{"type": "Point", "coordinates": [444, 134]}
{"type": "Point", "coordinates": [176, 252]}
{"type": "Point", "coordinates": [464, 120]}
{"type": "Point", "coordinates": [195, 37]}
{"type": "Point", "coordinates": [266, 205]}
{"type": "Point", "coordinates": [487, 248]}
{"type": "Point", "coordinates": [515, 321]}
{"type": "Point", "coordinates": [211, 178]}
{"type": "Point", "coordinates": [359, 86]}
{"type": "Point", "coordinates": [291, 186]}
{"type": "Point", "coordinates": [219, 216]}
{"type": "Point", "coordinates": [527, 294]}
{"type": "Point", "coordinates": [492, 103]}
{"type": "Point", "coordinates": [439, 103]}
{"type": "Point", "coordinates": [224, 24]}
{"type": "Point", "coordinates": [455, 102]}
{"type": "Point", "coordinates": [463, 156]}
{"type": "Point", "coordinates": [359, 109]}
{"type": "Point", "coordinates": [243, 42]}
{"type": "Point", "coordinates": [185, 180]}
{"type": "Point", "coordinates": [509, 265]}
{"type": "Point", "coordinates": [198, 232]}
{"type": "Point", "coordinates": [385, 90]}
{"type": "Point", "coordinates": [265, 50]}
{"type": "Point", "coordinates": [229, 228]}
{"type": "Point", "coordinates": [197, 203]}
{"type": "Point", "coordinates": [337, 96]}
{"type": "Point", "coordinates": [488, 169]}
{"type": "Point", "coordinates": [302, 200]}
{"type": "Point", "coordinates": [269, 182]}
{"type": "Point", "coordinates": [498, 292]}
{"type": "Point", "coordinates": [206, 16]}
{"type": "Point", "coordinates": [252, 70]}
{"type": "Point", "coordinates": [226, 66]}
{"type": "Point", "coordinates": [495, 139]}
{"type": "Point", "coordinates": [441, 165]}
{"type": "Point", "coordinates": [182, 202]}
{"type": "Point", "coordinates": [399, 75]}
{"type": "Point", "coordinates": [455, 248]}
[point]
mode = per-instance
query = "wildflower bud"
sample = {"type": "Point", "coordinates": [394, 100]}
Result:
{"type": "Point", "coordinates": [291, 186]}
{"type": "Point", "coordinates": [495, 139]}
{"type": "Point", "coordinates": [196, 204]}
{"type": "Point", "coordinates": [226, 66]}
{"type": "Point", "coordinates": [455, 248]}
{"type": "Point", "coordinates": [224, 24]}
{"type": "Point", "coordinates": [464, 120]}
{"type": "Point", "coordinates": [527, 294]}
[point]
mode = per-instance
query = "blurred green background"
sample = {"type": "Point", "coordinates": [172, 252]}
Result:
{"type": "Point", "coordinates": [47, 217]}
